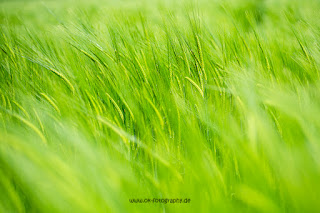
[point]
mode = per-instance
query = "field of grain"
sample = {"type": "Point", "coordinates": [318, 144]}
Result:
{"type": "Point", "coordinates": [159, 106]}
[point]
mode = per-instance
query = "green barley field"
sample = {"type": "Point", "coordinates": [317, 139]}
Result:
{"type": "Point", "coordinates": [159, 106]}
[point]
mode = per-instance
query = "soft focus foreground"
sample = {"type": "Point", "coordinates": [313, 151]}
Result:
{"type": "Point", "coordinates": [215, 101]}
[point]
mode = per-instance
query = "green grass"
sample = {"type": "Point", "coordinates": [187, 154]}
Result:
{"type": "Point", "coordinates": [214, 101]}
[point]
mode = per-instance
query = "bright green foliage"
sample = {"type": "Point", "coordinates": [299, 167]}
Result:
{"type": "Point", "coordinates": [216, 101]}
